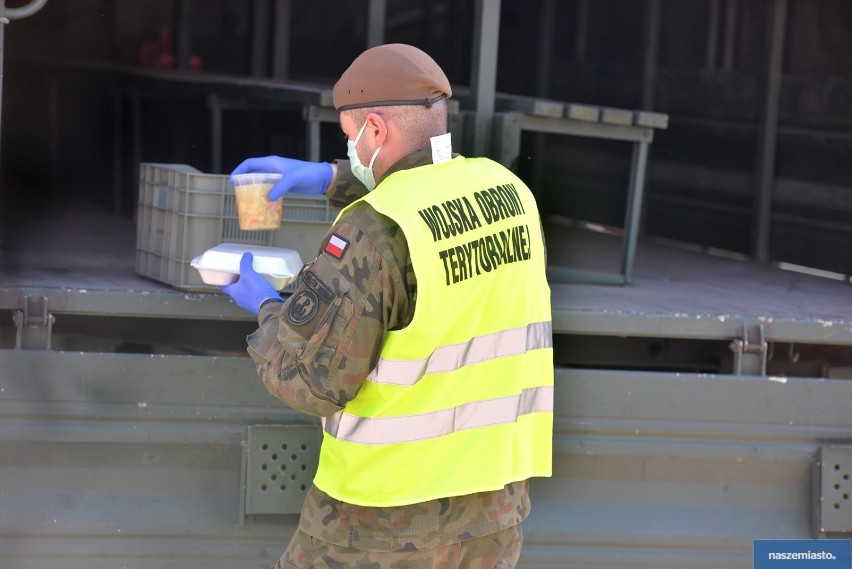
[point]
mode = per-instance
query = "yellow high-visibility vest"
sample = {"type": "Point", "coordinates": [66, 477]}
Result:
{"type": "Point", "coordinates": [461, 400]}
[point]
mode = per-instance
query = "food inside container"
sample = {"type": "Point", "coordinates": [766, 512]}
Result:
{"type": "Point", "coordinates": [254, 210]}
{"type": "Point", "coordinates": [220, 265]}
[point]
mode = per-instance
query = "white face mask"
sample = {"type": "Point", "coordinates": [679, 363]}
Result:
{"type": "Point", "coordinates": [363, 173]}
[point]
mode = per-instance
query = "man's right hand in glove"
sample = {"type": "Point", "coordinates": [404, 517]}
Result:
{"type": "Point", "coordinates": [298, 176]}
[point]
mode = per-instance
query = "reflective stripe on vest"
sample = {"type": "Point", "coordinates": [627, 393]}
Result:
{"type": "Point", "coordinates": [387, 430]}
{"type": "Point", "coordinates": [512, 342]}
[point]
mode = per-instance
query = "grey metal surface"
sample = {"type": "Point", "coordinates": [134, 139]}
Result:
{"type": "Point", "coordinates": [633, 211]}
{"type": "Point", "coordinates": [25, 11]}
{"type": "Point", "coordinates": [603, 130]}
{"type": "Point", "coordinates": [483, 79]}
{"type": "Point", "coordinates": [280, 463]}
{"type": "Point", "coordinates": [145, 300]}
{"type": "Point", "coordinates": [677, 291]}
{"type": "Point", "coordinates": [260, 18]}
{"type": "Point", "coordinates": [673, 470]}
{"type": "Point", "coordinates": [154, 82]}
{"type": "Point", "coordinates": [183, 33]}
{"type": "Point", "coordinates": [132, 460]}
{"type": "Point", "coordinates": [3, 22]}
{"type": "Point", "coordinates": [136, 459]}
{"type": "Point", "coordinates": [281, 38]}
{"type": "Point", "coordinates": [683, 292]}
{"type": "Point", "coordinates": [833, 488]}
{"type": "Point", "coordinates": [651, 55]}
{"type": "Point", "coordinates": [376, 15]}
{"type": "Point", "coordinates": [768, 135]}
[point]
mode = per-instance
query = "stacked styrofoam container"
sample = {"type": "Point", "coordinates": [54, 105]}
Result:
{"type": "Point", "coordinates": [184, 212]}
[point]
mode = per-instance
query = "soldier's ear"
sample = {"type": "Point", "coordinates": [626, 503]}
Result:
{"type": "Point", "coordinates": [378, 128]}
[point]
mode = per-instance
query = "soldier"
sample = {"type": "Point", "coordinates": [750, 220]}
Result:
{"type": "Point", "coordinates": [421, 334]}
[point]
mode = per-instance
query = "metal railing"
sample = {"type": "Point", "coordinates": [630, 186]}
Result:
{"type": "Point", "coordinates": [7, 14]}
{"type": "Point", "coordinates": [25, 11]}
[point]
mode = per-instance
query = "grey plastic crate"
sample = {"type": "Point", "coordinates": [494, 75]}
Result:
{"type": "Point", "coordinates": [184, 212]}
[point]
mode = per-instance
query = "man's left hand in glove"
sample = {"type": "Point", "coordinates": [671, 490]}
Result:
{"type": "Point", "coordinates": [251, 289]}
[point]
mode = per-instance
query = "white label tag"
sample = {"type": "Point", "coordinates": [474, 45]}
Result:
{"type": "Point", "coordinates": [442, 148]}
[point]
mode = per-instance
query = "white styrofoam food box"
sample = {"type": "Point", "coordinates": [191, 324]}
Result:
{"type": "Point", "coordinates": [220, 265]}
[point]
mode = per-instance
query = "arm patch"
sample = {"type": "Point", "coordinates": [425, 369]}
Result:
{"type": "Point", "coordinates": [303, 307]}
{"type": "Point", "coordinates": [336, 246]}
{"type": "Point", "coordinates": [311, 281]}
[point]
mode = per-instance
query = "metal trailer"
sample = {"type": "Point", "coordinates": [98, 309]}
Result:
{"type": "Point", "coordinates": [703, 406]}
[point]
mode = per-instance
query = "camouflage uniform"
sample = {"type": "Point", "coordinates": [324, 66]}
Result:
{"type": "Point", "coordinates": [314, 351]}
{"type": "Point", "coordinates": [499, 550]}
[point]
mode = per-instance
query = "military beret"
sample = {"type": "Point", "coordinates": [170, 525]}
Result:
{"type": "Point", "coordinates": [391, 74]}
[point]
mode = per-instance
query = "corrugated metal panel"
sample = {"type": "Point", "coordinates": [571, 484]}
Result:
{"type": "Point", "coordinates": [135, 461]}
{"type": "Point", "coordinates": [124, 460]}
{"type": "Point", "coordinates": [680, 470]}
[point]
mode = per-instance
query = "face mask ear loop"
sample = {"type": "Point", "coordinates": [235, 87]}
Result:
{"type": "Point", "coordinates": [358, 138]}
{"type": "Point", "coordinates": [373, 159]}
{"type": "Point", "coordinates": [360, 132]}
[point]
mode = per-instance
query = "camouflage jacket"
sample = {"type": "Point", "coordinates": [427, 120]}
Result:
{"type": "Point", "coordinates": [315, 350]}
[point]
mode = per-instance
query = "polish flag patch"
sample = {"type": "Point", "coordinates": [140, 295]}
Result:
{"type": "Point", "coordinates": [336, 246]}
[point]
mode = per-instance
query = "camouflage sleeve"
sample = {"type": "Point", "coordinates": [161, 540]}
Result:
{"type": "Point", "coordinates": [315, 350]}
{"type": "Point", "coordinates": [346, 188]}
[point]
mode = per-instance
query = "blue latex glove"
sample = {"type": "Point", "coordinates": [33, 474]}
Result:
{"type": "Point", "coordinates": [251, 289]}
{"type": "Point", "coordinates": [299, 176]}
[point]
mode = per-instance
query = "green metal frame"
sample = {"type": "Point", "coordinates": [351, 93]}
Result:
{"type": "Point", "coordinates": [508, 127]}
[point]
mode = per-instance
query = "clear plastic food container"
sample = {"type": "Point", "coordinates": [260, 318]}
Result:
{"type": "Point", "coordinates": [220, 265]}
{"type": "Point", "coordinates": [255, 211]}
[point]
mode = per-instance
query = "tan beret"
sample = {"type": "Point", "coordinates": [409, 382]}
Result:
{"type": "Point", "coordinates": [391, 74]}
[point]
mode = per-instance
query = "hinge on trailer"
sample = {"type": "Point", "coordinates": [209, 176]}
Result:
{"type": "Point", "coordinates": [750, 351]}
{"type": "Point", "coordinates": [34, 324]}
